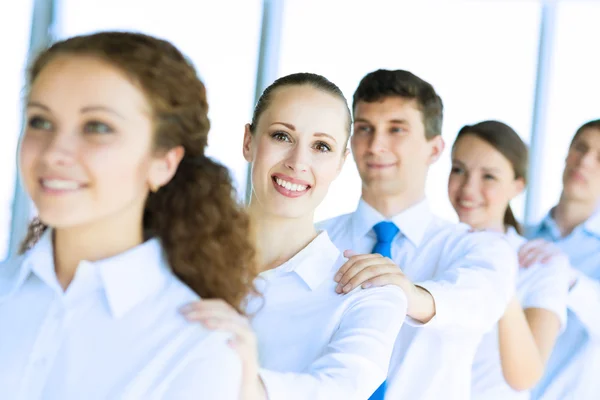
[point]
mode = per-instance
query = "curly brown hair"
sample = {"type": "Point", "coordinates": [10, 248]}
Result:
{"type": "Point", "coordinates": [204, 231]}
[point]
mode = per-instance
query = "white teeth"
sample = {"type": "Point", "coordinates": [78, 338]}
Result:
{"type": "Point", "coordinates": [468, 204]}
{"type": "Point", "coordinates": [59, 184]}
{"type": "Point", "coordinates": [294, 187]}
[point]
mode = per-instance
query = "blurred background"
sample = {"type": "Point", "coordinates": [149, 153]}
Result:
{"type": "Point", "coordinates": [533, 64]}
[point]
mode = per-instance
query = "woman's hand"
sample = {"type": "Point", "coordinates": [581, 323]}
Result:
{"type": "Point", "coordinates": [216, 314]}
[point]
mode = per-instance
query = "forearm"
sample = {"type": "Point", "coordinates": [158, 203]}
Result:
{"type": "Point", "coordinates": [522, 364]}
{"type": "Point", "coordinates": [421, 306]}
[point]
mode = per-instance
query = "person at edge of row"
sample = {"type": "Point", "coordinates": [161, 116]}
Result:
{"type": "Point", "coordinates": [134, 222]}
{"type": "Point", "coordinates": [489, 168]}
{"type": "Point", "coordinates": [458, 282]}
{"type": "Point", "coordinates": [573, 227]}
{"type": "Point", "coordinates": [304, 340]}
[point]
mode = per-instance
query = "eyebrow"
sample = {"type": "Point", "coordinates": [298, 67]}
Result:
{"type": "Point", "coordinates": [485, 169]}
{"type": "Point", "coordinates": [393, 121]}
{"type": "Point", "coordinates": [35, 104]}
{"type": "Point", "coordinates": [293, 128]}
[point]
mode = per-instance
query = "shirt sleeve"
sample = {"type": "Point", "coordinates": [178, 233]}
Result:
{"type": "Point", "coordinates": [549, 288]}
{"type": "Point", "coordinates": [356, 359]}
{"type": "Point", "coordinates": [472, 292]}
{"type": "Point", "coordinates": [584, 301]}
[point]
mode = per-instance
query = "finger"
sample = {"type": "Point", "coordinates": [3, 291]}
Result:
{"type": "Point", "coordinates": [350, 263]}
{"type": "Point", "coordinates": [368, 273]}
{"type": "Point", "coordinates": [531, 257]}
{"type": "Point", "coordinates": [384, 280]}
{"type": "Point", "coordinates": [359, 265]}
{"type": "Point", "coordinates": [209, 304]}
{"type": "Point", "coordinates": [350, 253]}
{"type": "Point", "coordinates": [530, 246]}
{"type": "Point", "coordinates": [242, 332]}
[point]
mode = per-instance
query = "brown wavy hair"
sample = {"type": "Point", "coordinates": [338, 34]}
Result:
{"type": "Point", "coordinates": [204, 231]}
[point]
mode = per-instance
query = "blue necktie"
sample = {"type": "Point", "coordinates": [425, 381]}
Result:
{"type": "Point", "coordinates": [386, 232]}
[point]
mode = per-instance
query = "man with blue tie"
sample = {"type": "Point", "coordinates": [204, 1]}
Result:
{"type": "Point", "coordinates": [457, 282]}
{"type": "Point", "coordinates": [573, 225]}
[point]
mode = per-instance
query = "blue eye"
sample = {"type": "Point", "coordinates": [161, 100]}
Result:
{"type": "Point", "coordinates": [39, 123]}
{"type": "Point", "coordinates": [489, 177]}
{"type": "Point", "coordinates": [456, 170]}
{"type": "Point", "coordinates": [97, 128]}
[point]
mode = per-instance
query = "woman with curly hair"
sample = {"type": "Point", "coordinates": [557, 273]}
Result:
{"type": "Point", "coordinates": [134, 221]}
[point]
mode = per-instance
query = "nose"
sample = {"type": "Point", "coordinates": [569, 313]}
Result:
{"type": "Point", "coordinates": [588, 159]}
{"type": "Point", "coordinates": [60, 149]}
{"type": "Point", "coordinates": [298, 159]}
{"type": "Point", "coordinates": [470, 185]}
{"type": "Point", "coordinates": [377, 143]}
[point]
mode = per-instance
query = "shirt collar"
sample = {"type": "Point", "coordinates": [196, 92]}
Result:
{"type": "Point", "coordinates": [591, 225]}
{"type": "Point", "coordinates": [126, 279]}
{"type": "Point", "coordinates": [312, 264]}
{"type": "Point", "coordinates": [412, 222]}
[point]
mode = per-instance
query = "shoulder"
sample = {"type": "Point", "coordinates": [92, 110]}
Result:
{"type": "Point", "coordinates": [335, 223]}
{"type": "Point", "coordinates": [461, 237]}
{"type": "Point", "coordinates": [10, 271]}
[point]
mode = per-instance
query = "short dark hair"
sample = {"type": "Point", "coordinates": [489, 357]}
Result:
{"type": "Point", "coordinates": [297, 79]}
{"type": "Point", "coordinates": [383, 83]}
{"type": "Point", "coordinates": [593, 124]}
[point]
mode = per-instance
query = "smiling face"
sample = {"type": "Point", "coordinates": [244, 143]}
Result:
{"type": "Point", "coordinates": [481, 183]}
{"type": "Point", "coordinates": [390, 148]}
{"type": "Point", "coordinates": [297, 150]}
{"type": "Point", "coordinates": [87, 154]}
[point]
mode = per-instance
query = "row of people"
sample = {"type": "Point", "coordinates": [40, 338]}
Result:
{"type": "Point", "coordinates": [387, 302]}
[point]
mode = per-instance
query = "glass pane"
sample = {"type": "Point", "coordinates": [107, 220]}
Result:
{"type": "Point", "coordinates": [15, 29]}
{"type": "Point", "coordinates": [220, 37]}
{"type": "Point", "coordinates": [574, 88]}
{"type": "Point", "coordinates": [480, 56]}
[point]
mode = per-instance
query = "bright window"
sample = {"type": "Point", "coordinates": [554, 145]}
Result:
{"type": "Point", "coordinates": [220, 37]}
{"type": "Point", "coordinates": [15, 26]}
{"type": "Point", "coordinates": [574, 87]}
{"type": "Point", "coordinates": [480, 56]}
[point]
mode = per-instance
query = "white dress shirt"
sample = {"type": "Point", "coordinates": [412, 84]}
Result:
{"type": "Point", "coordinates": [471, 277]}
{"type": "Point", "coordinates": [315, 344]}
{"type": "Point", "coordinates": [572, 371]}
{"type": "Point", "coordinates": [544, 286]}
{"type": "Point", "coordinates": [114, 334]}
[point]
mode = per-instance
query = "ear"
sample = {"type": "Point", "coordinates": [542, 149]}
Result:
{"type": "Point", "coordinates": [163, 167]}
{"type": "Point", "coordinates": [519, 187]}
{"type": "Point", "coordinates": [343, 160]}
{"type": "Point", "coordinates": [437, 146]}
{"type": "Point", "coordinates": [247, 150]}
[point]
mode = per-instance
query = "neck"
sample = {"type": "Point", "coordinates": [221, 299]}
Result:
{"type": "Point", "coordinates": [391, 205]}
{"type": "Point", "coordinates": [279, 239]}
{"type": "Point", "coordinates": [92, 242]}
{"type": "Point", "coordinates": [568, 214]}
{"type": "Point", "coordinates": [497, 226]}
